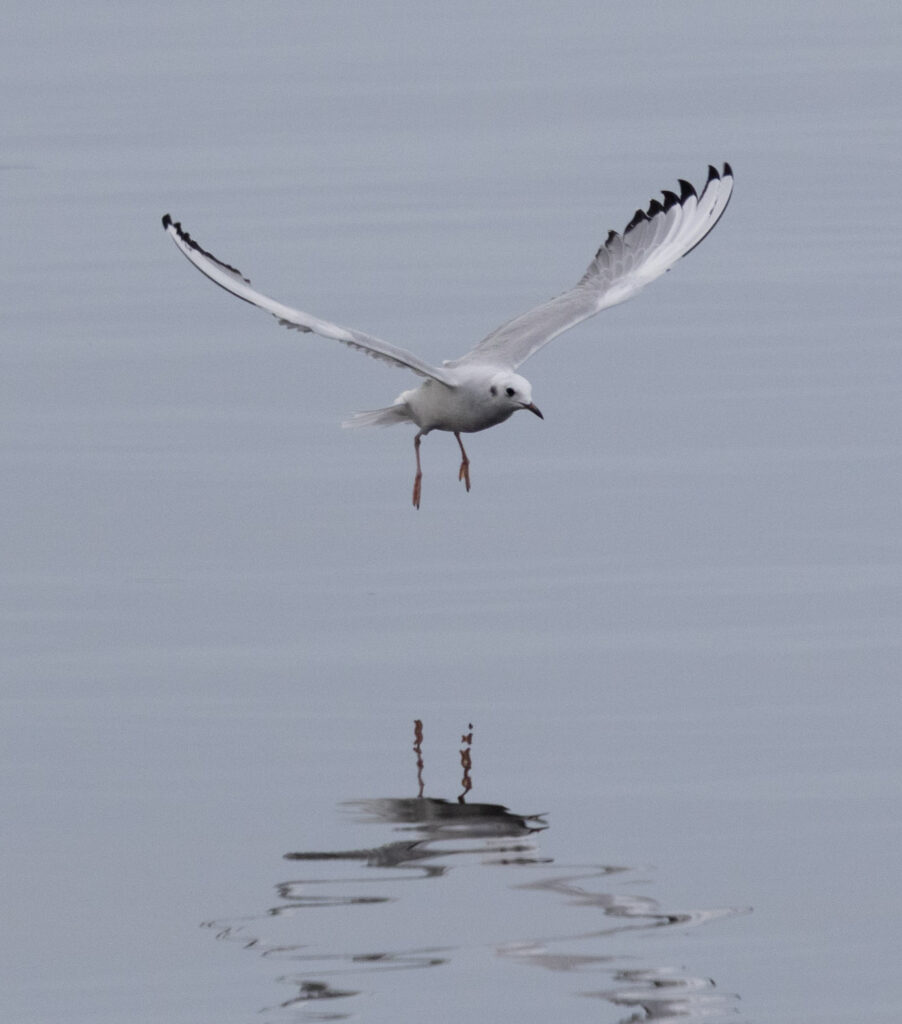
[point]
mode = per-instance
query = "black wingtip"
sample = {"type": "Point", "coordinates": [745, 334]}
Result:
{"type": "Point", "coordinates": [712, 174]}
{"type": "Point", "coordinates": [654, 208]}
{"type": "Point", "coordinates": [638, 217]}
{"type": "Point", "coordinates": [727, 170]}
{"type": "Point", "coordinates": [687, 190]}
{"type": "Point", "coordinates": [670, 200]}
{"type": "Point", "coordinates": [185, 238]}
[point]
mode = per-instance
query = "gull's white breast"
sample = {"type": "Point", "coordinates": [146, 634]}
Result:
{"type": "Point", "coordinates": [466, 408]}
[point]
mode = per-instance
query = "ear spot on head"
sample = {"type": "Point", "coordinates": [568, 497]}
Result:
{"type": "Point", "coordinates": [493, 390]}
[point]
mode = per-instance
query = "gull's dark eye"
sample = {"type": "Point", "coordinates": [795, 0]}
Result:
{"type": "Point", "coordinates": [493, 390]}
{"type": "Point", "coordinates": [510, 392]}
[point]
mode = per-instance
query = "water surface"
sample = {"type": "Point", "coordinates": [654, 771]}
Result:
{"type": "Point", "coordinates": [668, 614]}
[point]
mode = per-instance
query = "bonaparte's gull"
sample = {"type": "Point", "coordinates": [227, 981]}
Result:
{"type": "Point", "coordinates": [481, 389]}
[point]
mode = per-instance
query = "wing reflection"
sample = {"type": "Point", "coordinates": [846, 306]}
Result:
{"type": "Point", "coordinates": [441, 834]}
{"type": "Point", "coordinates": [663, 993]}
{"type": "Point", "coordinates": [310, 992]}
{"type": "Point", "coordinates": [437, 821]}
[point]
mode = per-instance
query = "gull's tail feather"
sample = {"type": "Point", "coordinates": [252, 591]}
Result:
{"type": "Point", "coordinates": [388, 417]}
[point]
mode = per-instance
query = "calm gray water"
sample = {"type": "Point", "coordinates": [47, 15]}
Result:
{"type": "Point", "coordinates": [654, 651]}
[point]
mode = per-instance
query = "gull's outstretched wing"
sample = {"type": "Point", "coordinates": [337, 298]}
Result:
{"type": "Point", "coordinates": [650, 244]}
{"type": "Point", "coordinates": [233, 281]}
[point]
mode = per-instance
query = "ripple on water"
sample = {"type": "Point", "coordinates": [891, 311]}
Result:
{"type": "Point", "coordinates": [444, 835]}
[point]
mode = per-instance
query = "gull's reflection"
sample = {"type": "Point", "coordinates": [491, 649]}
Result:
{"type": "Point", "coordinates": [442, 833]}
{"type": "Point", "coordinates": [440, 826]}
{"type": "Point", "coordinates": [436, 822]}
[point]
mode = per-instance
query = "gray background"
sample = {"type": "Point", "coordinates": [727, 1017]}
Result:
{"type": "Point", "coordinates": [670, 611]}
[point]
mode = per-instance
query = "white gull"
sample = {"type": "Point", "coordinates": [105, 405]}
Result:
{"type": "Point", "coordinates": [482, 389]}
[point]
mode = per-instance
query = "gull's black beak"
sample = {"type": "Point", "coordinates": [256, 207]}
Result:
{"type": "Point", "coordinates": [534, 408]}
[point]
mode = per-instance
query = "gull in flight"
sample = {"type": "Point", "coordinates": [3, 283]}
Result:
{"type": "Point", "coordinates": [482, 389]}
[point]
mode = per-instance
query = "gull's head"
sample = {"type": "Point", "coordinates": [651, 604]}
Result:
{"type": "Point", "coordinates": [511, 392]}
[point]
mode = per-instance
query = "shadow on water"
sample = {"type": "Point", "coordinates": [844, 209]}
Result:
{"type": "Point", "coordinates": [445, 832]}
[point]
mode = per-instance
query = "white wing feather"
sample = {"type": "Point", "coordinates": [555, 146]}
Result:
{"type": "Point", "coordinates": [234, 281]}
{"type": "Point", "coordinates": [651, 243]}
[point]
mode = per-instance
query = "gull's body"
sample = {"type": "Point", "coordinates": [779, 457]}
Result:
{"type": "Point", "coordinates": [482, 388]}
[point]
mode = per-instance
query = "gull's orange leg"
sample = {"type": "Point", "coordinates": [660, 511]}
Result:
{"type": "Point", "coordinates": [419, 476]}
{"type": "Point", "coordinates": [464, 473]}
